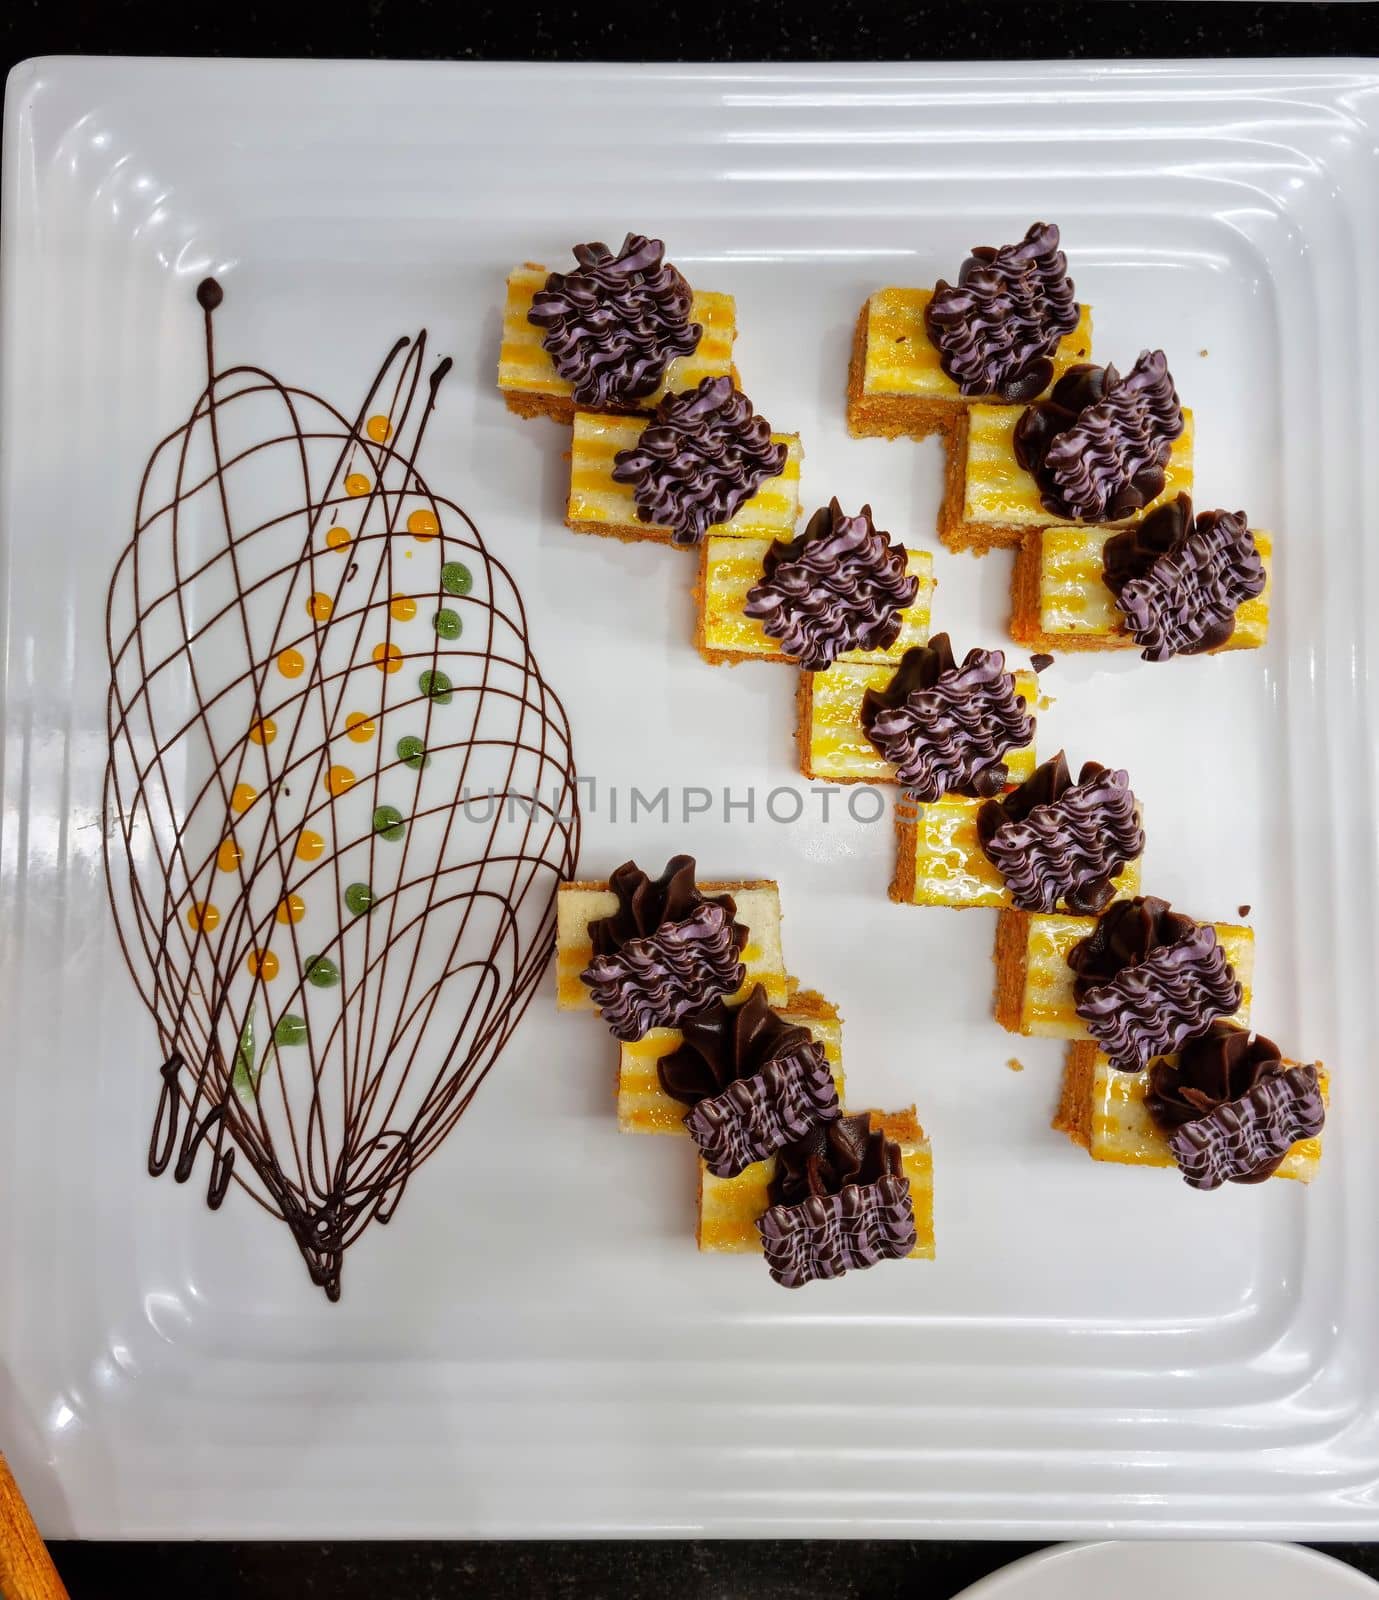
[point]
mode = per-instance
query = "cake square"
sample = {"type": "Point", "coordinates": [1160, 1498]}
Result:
{"type": "Point", "coordinates": [729, 1207]}
{"type": "Point", "coordinates": [990, 502]}
{"type": "Point", "coordinates": [599, 505]}
{"type": "Point", "coordinates": [579, 904]}
{"type": "Point", "coordinates": [1060, 602]}
{"type": "Point", "coordinates": [940, 861]}
{"type": "Point", "coordinates": [895, 382]}
{"type": "Point", "coordinates": [527, 377]}
{"type": "Point", "coordinates": [1034, 983]}
{"type": "Point", "coordinates": [1104, 1111]}
{"type": "Point", "coordinates": [729, 568]}
{"type": "Point", "coordinates": [644, 1107]}
{"type": "Point", "coordinates": [828, 725]}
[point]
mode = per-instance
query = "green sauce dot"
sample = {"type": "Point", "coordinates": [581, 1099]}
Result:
{"type": "Point", "coordinates": [447, 623]}
{"type": "Point", "coordinates": [358, 898]}
{"type": "Point", "coordinates": [437, 685]}
{"type": "Point", "coordinates": [456, 578]}
{"type": "Point", "coordinates": [290, 1030]}
{"type": "Point", "coordinates": [387, 821]}
{"type": "Point", "coordinates": [412, 751]}
{"type": "Point", "coordinates": [321, 971]}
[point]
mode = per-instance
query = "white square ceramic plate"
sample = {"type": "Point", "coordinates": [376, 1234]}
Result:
{"type": "Point", "coordinates": [1094, 1348]}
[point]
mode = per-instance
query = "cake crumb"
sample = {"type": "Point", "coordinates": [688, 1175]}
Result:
{"type": "Point", "coordinates": [1242, 911]}
{"type": "Point", "coordinates": [1015, 1065]}
{"type": "Point", "coordinates": [1040, 662]}
{"type": "Point", "coordinates": [1201, 352]}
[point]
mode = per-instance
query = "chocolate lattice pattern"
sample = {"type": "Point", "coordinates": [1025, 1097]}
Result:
{"type": "Point", "coordinates": [321, 692]}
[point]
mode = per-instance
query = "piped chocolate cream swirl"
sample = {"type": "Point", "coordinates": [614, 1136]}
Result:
{"type": "Point", "coordinates": [997, 328]}
{"type": "Point", "coordinates": [1098, 446]}
{"type": "Point", "coordinates": [699, 460]}
{"type": "Point", "coordinates": [613, 327]}
{"type": "Point", "coordinates": [1055, 841]}
{"type": "Point", "coordinates": [1147, 979]}
{"type": "Point", "coordinates": [944, 727]}
{"type": "Point", "coordinates": [1232, 1108]}
{"type": "Point", "coordinates": [840, 1201]}
{"type": "Point", "coordinates": [1179, 580]}
{"type": "Point", "coordinates": [754, 1081]}
{"type": "Point", "coordinates": [665, 952]}
{"type": "Point", "coordinates": [840, 585]}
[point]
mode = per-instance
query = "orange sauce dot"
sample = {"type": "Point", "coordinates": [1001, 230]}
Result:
{"type": "Point", "coordinates": [403, 607]}
{"type": "Point", "coordinates": [338, 779]}
{"type": "Point", "coordinates": [290, 663]}
{"type": "Point", "coordinates": [357, 484]}
{"type": "Point", "coordinates": [337, 538]}
{"type": "Point", "coordinates": [262, 964]}
{"type": "Point", "coordinates": [293, 909]}
{"type": "Point", "coordinates": [387, 657]}
{"type": "Point", "coordinates": [229, 856]}
{"type": "Point", "coordinates": [423, 523]}
{"type": "Point", "coordinates": [379, 429]}
{"type": "Point", "coordinates": [203, 915]}
{"type": "Point", "coordinates": [320, 606]}
{"type": "Point", "coordinates": [263, 732]}
{"type": "Point", "coordinates": [359, 727]}
{"type": "Point", "coordinates": [242, 797]}
{"type": "Point", "coordinates": [309, 845]}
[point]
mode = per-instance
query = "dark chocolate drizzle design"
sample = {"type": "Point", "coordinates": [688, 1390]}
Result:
{"type": "Point", "coordinates": [424, 932]}
{"type": "Point", "coordinates": [666, 952]}
{"type": "Point", "coordinates": [840, 585]}
{"type": "Point", "coordinates": [1147, 979]}
{"type": "Point", "coordinates": [1098, 446]}
{"type": "Point", "coordinates": [944, 728]}
{"type": "Point", "coordinates": [1179, 581]}
{"type": "Point", "coordinates": [754, 1082]}
{"type": "Point", "coordinates": [997, 328]}
{"type": "Point", "coordinates": [840, 1201]}
{"type": "Point", "coordinates": [1054, 840]}
{"type": "Point", "coordinates": [613, 327]}
{"type": "Point", "coordinates": [1214, 1080]}
{"type": "Point", "coordinates": [700, 459]}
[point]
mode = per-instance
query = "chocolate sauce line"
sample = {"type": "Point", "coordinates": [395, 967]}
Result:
{"type": "Point", "coordinates": [326, 1187]}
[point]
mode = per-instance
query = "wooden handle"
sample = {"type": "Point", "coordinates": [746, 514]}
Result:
{"type": "Point", "coordinates": [26, 1569]}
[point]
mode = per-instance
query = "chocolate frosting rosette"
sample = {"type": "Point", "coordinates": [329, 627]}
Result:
{"type": "Point", "coordinates": [1056, 842]}
{"type": "Point", "coordinates": [754, 1082]}
{"type": "Point", "coordinates": [840, 1201]}
{"type": "Point", "coordinates": [1179, 580]}
{"type": "Point", "coordinates": [944, 727]}
{"type": "Point", "coordinates": [613, 326]}
{"type": "Point", "coordinates": [1147, 979]}
{"type": "Point", "coordinates": [1098, 446]}
{"type": "Point", "coordinates": [1231, 1107]}
{"type": "Point", "coordinates": [700, 459]}
{"type": "Point", "coordinates": [840, 585]}
{"type": "Point", "coordinates": [665, 952]}
{"type": "Point", "coordinates": [997, 328]}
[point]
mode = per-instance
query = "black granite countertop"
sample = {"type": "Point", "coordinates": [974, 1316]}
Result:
{"type": "Point", "coordinates": [690, 30]}
{"type": "Point", "coordinates": [755, 30]}
{"type": "Point", "coordinates": [698, 1570]}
